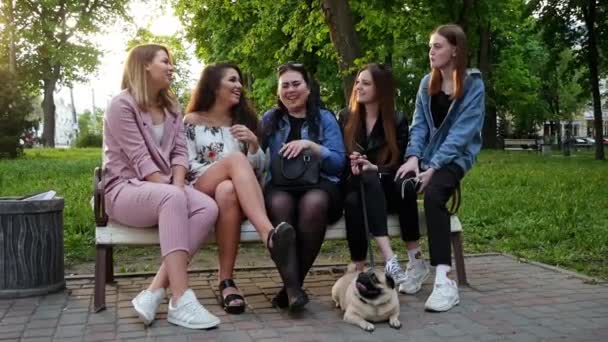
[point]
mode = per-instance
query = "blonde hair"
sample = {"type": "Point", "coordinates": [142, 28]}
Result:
{"type": "Point", "coordinates": [135, 77]}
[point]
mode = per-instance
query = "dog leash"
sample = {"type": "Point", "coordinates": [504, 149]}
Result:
{"type": "Point", "coordinates": [372, 264]}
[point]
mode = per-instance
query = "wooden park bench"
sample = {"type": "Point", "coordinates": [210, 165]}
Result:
{"type": "Point", "coordinates": [521, 145]}
{"type": "Point", "coordinates": [109, 234]}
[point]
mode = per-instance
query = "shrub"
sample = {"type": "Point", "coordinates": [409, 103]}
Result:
{"type": "Point", "coordinates": [15, 105]}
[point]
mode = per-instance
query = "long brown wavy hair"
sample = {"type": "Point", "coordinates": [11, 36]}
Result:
{"type": "Point", "coordinates": [204, 96]}
{"type": "Point", "coordinates": [385, 96]}
{"type": "Point", "coordinates": [457, 38]}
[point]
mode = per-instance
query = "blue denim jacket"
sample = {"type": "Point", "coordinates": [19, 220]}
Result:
{"type": "Point", "coordinates": [458, 138]}
{"type": "Point", "coordinates": [333, 153]}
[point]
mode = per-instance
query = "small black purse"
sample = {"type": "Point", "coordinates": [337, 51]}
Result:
{"type": "Point", "coordinates": [299, 173]}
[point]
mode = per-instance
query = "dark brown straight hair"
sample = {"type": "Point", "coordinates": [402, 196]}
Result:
{"type": "Point", "coordinates": [457, 38]}
{"type": "Point", "coordinates": [385, 96]}
{"type": "Point", "coordinates": [204, 96]}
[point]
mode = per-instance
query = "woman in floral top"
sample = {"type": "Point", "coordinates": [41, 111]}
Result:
{"type": "Point", "coordinates": [223, 152]}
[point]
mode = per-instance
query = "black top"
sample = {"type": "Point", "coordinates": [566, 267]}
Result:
{"type": "Point", "coordinates": [295, 132]}
{"type": "Point", "coordinates": [440, 104]}
{"type": "Point", "coordinates": [363, 138]}
{"type": "Point", "coordinates": [373, 143]}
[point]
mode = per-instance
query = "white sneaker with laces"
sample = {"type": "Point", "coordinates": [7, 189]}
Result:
{"type": "Point", "coordinates": [146, 304]}
{"type": "Point", "coordinates": [189, 313]}
{"type": "Point", "coordinates": [443, 298]}
{"type": "Point", "coordinates": [416, 273]}
{"type": "Point", "coordinates": [393, 268]}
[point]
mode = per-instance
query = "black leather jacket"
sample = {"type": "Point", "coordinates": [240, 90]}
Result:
{"type": "Point", "coordinates": [376, 140]}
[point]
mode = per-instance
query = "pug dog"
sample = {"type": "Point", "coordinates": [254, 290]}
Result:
{"type": "Point", "coordinates": [367, 297]}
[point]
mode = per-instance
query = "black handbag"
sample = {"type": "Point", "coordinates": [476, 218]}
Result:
{"type": "Point", "coordinates": [301, 172]}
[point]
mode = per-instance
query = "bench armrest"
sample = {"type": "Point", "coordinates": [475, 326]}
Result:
{"type": "Point", "coordinates": [99, 208]}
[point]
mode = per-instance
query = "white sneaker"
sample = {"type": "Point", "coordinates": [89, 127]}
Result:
{"type": "Point", "coordinates": [189, 313]}
{"type": "Point", "coordinates": [443, 298]}
{"type": "Point", "coordinates": [416, 273]}
{"type": "Point", "coordinates": [146, 304]}
{"type": "Point", "coordinates": [393, 268]}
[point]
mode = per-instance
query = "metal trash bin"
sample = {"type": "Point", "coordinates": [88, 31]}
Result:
{"type": "Point", "coordinates": [31, 247]}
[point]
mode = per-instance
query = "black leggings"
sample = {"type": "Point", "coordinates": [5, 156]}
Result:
{"type": "Point", "coordinates": [309, 212]}
{"type": "Point", "coordinates": [436, 195]}
{"type": "Point", "coordinates": [381, 197]}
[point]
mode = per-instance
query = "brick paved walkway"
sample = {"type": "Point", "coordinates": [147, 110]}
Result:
{"type": "Point", "coordinates": [507, 301]}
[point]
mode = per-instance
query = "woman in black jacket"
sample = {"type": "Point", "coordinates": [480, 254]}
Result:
{"type": "Point", "coordinates": [375, 136]}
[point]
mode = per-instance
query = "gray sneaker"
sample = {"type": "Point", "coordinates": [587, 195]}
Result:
{"type": "Point", "coordinates": [393, 268]}
{"type": "Point", "coordinates": [415, 274]}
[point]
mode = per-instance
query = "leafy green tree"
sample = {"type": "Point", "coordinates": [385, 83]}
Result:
{"type": "Point", "coordinates": [53, 44]}
{"type": "Point", "coordinates": [562, 20]}
{"type": "Point", "coordinates": [90, 128]}
{"type": "Point", "coordinates": [15, 105]}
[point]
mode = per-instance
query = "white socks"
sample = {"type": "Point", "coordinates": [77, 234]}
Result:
{"type": "Point", "coordinates": [414, 255]}
{"type": "Point", "coordinates": [441, 274]}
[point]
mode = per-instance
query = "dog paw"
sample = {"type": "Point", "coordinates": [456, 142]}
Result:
{"type": "Point", "coordinates": [367, 326]}
{"type": "Point", "coordinates": [394, 323]}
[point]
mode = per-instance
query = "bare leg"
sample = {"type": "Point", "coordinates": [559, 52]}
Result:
{"type": "Point", "coordinates": [236, 168]}
{"type": "Point", "coordinates": [228, 234]}
{"type": "Point", "coordinates": [385, 247]}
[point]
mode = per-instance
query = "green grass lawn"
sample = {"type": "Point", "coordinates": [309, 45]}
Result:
{"type": "Point", "coordinates": [549, 209]}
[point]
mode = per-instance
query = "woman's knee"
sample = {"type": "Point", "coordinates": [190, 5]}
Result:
{"type": "Point", "coordinates": [434, 197]}
{"type": "Point", "coordinates": [174, 197]}
{"type": "Point", "coordinates": [225, 195]}
{"type": "Point", "coordinates": [352, 200]}
{"type": "Point", "coordinates": [314, 202]}
{"type": "Point", "coordinates": [238, 160]}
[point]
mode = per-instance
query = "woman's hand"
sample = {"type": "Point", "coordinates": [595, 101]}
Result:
{"type": "Point", "coordinates": [359, 162]}
{"type": "Point", "coordinates": [411, 165]}
{"type": "Point", "coordinates": [244, 134]}
{"type": "Point", "coordinates": [293, 148]}
{"type": "Point", "coordinates": [424, 178]}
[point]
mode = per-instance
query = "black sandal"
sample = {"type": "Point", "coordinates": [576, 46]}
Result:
{"type": "Point", "coordinates": [225, 302]}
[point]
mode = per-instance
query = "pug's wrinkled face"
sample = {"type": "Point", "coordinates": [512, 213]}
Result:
{"type": "Point", "coordinates": [372, 285]}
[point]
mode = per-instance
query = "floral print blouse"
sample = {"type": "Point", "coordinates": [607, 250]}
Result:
{"type": "Point", "coordinates": [208, 144]}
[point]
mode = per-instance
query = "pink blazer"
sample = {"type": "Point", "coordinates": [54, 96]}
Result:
{"type": "Point", "coordinates": [130, 152]}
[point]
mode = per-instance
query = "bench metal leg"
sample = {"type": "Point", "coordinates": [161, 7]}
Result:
{"type": "Point", "coordinates": [459, 258]}
{"type": "Point", "coordinates": [101, 259]}
{"type": "Point", "coordinates": [109, 265]}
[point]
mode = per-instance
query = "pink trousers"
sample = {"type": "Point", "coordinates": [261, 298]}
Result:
{"type": "Point", "coordinates": [184, 217]}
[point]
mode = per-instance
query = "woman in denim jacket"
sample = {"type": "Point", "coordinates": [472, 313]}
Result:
{"type": "Point", "coordinates": [296, 125]}
{"type": "Point", "coordinates": [445, 138]}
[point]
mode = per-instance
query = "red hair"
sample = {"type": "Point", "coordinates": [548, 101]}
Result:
{"type": "Point", "coordinates": [457, 38]}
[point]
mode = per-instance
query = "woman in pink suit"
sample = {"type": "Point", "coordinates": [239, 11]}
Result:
{"type": "Point", "coordinates": [146, 160]}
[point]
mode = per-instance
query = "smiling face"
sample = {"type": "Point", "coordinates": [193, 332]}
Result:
{"type": "Point", "coordinates": [160, 70]}
{"type": "Point", "coordinates": [365, 87]}
{"type": "Point", "coordinates": [293, 91]}
{"type": "Point", "coordinates": [441, 52]}
{"type": "Point", "coordinates": [230, 87]}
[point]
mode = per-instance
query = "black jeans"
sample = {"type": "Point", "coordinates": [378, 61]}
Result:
{"type": "Point", "coordinates": [382, 196]}
{"type": "Point", "coordinates": [436, 195]}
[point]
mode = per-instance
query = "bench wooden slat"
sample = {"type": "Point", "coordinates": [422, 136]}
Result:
{"type": "Point", "coordinates": [116, 234]}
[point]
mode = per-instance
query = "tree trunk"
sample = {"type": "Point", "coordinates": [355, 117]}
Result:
{"type": "Point", "coordinates": [339, 19]}
{"type": "Point", "coordinates": [48, 107]}
{"type": "Point", "coordinates": [12, 54]}
{"type": "Point", "coordinates": [467, 6]}
{"type": "Point", "coordinates": [593, 60]}
{"type": "Point", "coordinates": [485, 65]}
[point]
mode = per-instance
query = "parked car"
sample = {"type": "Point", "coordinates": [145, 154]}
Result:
{"type": "Point", "coordinates": [580, 142]}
